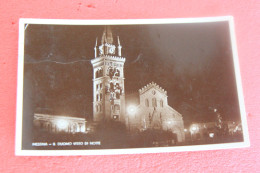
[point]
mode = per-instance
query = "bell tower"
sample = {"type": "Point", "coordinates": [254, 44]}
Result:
{"type": "Point", "coordinates": [108, 79]}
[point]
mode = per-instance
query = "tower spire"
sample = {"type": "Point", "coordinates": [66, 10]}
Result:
{"type": "Point", "coordinates": [107, 35]}
{"type": "Point", "coordinates": [95, 48]}
{"type": "Point", "coordinates": [119, 47]}
{"type": "Point", "coordinates": [96, 42]}
{"type": "Point", "coordinates": [107, 47]}
{"type": "Point", "coordinates": [118, 41]}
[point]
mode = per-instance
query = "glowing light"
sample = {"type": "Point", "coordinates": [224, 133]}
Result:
{"type": "Point", "coordinates": [185, 130]}
{"type": "Point", "coordinates": [194, 128]}
{"type": "Point", "coordinates": [115, 117]}
{"type": "Point", "coordinates": [211, 135]}
{"type": "Point", "coordinates": [83, 129]}
{"type": "Point", "coordinates": [131, 110]}
{"type": "Point", "coordinates": [62, 124]}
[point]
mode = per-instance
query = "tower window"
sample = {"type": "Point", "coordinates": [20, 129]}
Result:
{"type": "Point", "coordinates": [100, 97]}
{"type": "Point", "coordinates": [117, 107]}
{"type": "Point", "coordinates": [97, 97]}
{"type": "Point", "coordinates": [96, 108]}
{"type": "Point", "coordinates": [117, 73]}
{"type": "Point", "coordinates": [146, 102]}
{"type": "Point", "coordinates": [100, 87]}
{"type": "Point", "coordinates": [99, 73]}
{"type": "Point", "coordinates": [161, 103]}
{"type": "Point", "coordinates": [113, 72]}
{"type": "Point", "coordinates": [97, 87]}
{"type": "Point", "coordinates": [100, 109]}
{"type": "Point", "coordinates": [154, 102]}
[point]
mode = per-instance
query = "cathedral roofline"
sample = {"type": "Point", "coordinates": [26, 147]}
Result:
{"type": "Point", "coordinates": [115, 57]}
{"type": "Point", "coordinates": [152, 85]}
{"type": "Point", "coordinates": [109, 57]}
{"type": "Point", "coordinates": [49, 116]}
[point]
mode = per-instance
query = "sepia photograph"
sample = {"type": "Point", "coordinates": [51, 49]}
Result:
{"type": "Point", "coordinates": [88, 87]}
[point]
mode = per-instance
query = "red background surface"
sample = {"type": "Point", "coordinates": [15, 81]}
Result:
{"type": "Point", "coordinates": [247, 23]}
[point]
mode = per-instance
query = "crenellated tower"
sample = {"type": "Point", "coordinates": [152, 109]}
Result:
{"type": "Point", "coordinates": [108, 79]}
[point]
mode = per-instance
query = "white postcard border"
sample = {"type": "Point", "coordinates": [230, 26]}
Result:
{"type": "Point", "coordinates": [20, 74]}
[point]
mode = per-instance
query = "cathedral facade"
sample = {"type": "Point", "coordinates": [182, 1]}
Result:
{"type": "Point", "coordinates": [148, 109]}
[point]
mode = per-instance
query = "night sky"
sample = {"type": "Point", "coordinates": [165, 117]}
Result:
{"type": "Point", "coordinates": [192, 62]}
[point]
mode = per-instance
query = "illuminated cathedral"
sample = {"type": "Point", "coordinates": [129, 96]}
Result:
{"type": "Point", "coordinates": [148, 109]}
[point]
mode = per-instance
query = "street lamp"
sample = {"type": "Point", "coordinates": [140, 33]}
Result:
{"type": "Point", "coordinates": [211, 135]}
{"type": "Point", "coordinates": [193, 130]}
{"type": "Point", "coordinates": [62, 124]}
{"type": "Point", "coordinates": [131, 110]}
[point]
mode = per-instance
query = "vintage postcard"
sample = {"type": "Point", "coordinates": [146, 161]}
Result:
{"type": "Point", "coordinates": [94, 87]}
